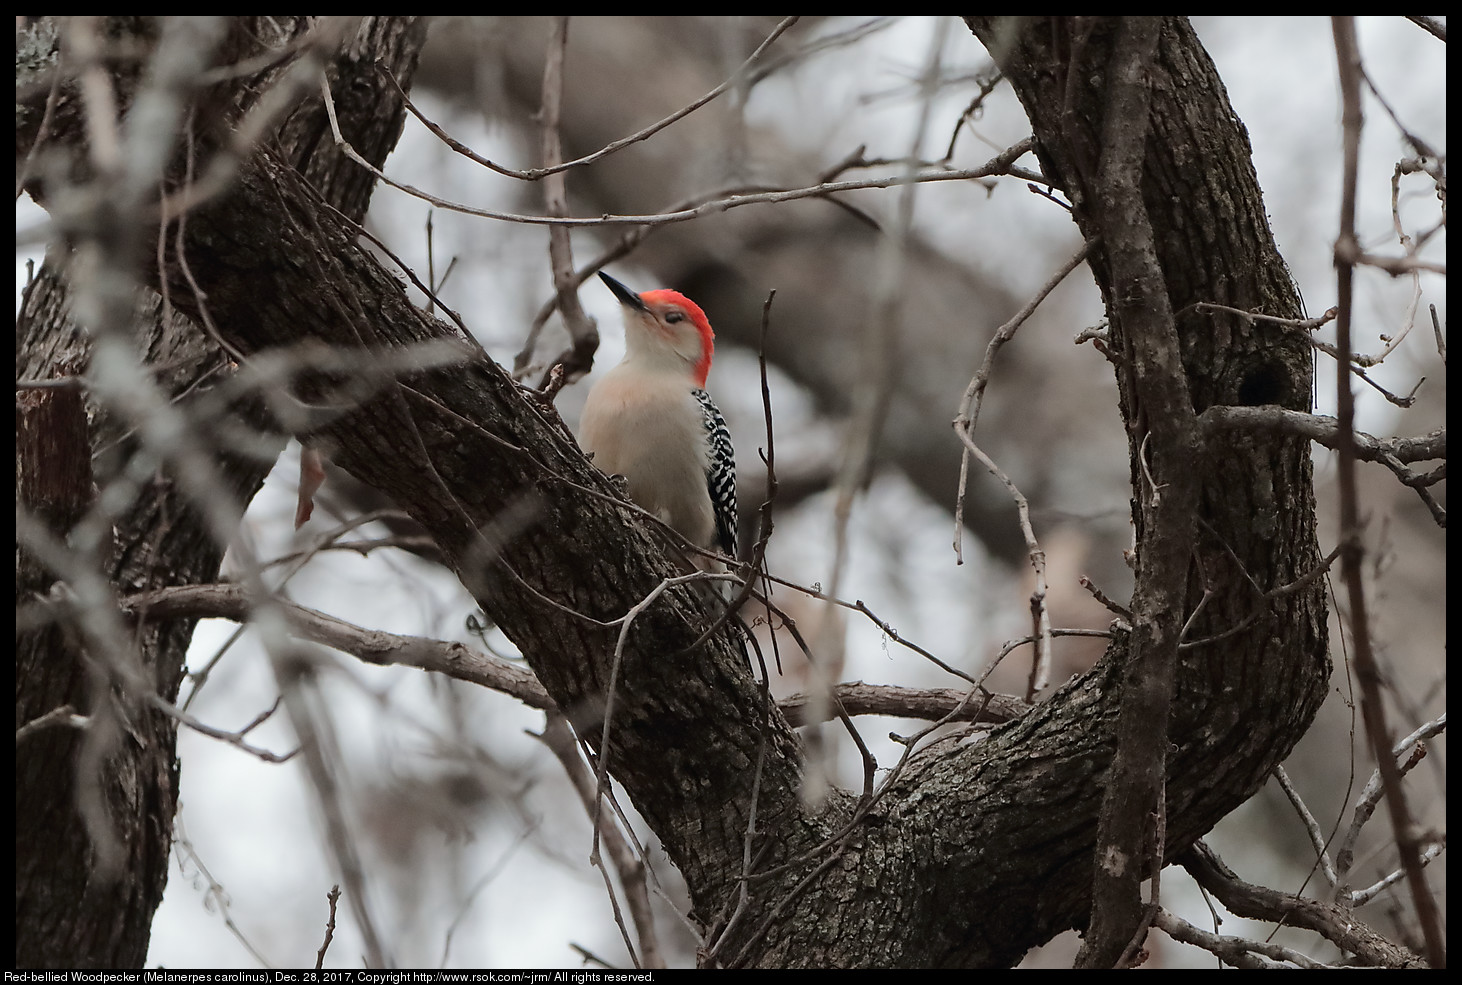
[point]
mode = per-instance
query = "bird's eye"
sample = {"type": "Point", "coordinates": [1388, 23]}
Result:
{"type": "Point", "coordinates": [674, 316]}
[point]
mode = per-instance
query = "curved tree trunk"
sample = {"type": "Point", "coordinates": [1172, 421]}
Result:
{"type": "Point", "coordinates": [94, 809]}
{"type": "Point", "coordinates": [976, 850]}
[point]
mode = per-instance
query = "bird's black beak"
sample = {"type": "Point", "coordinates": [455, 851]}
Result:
{"type": "Point", "coordinates": [625, 295]}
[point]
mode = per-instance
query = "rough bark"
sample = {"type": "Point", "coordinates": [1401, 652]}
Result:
{"type": "Point", "coordinates": [978, 850]}
{"type": "Point", "coordinates": [1255, 510]}
{"type": "Point", "coordinates": [72, 911]}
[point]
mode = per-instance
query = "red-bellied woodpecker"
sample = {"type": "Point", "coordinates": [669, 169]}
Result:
{"type": "Point", "coordinates": [650, 419]}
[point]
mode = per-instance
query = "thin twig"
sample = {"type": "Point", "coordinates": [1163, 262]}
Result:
{"type": "Point", "coordinates": [578, 358]}
{"type": "Point", "coordinates": [871, 401]}
{"type": "Point", "coordinates": [332, 898]}
{"type": "Point", "coordinates": [1236, 951]}
{"type": "Point", "coordinates": [1370, 796]}
{"type": "Point", "coordinates": [1312, 826]}
{"type": "Point", "coordinates": [453, 659]}
{"type": "Point", "coordinates": [1121, 611]}
{"type": "Point", "coordinates": [1305, 324]}
{"type": "Point", "coordinates": [969, 406]}
{"type": "Point", "coordinates": [1337, 924]}
{"type": "Point", "coordinates": [214, 891]}
{"type": "Point", "coordinates": [65, 715]}
{"type": "Point", "coordinates": [1040, 616]}
{"type": "Point", "coordinates": [1393, 453]}
{"type": "Point", "coordinates": [554, 167]}
{"type": "Point", "coordinates": [1373, 712]}
{"type": "Point", "coordinates": [1001, 164]}
{"type": "Point", "coordinates": [631, 869]}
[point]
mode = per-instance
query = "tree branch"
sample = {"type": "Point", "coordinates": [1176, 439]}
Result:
{"type": "Point", "coordinates": [1367, 673]}
{"type": "Point", "coordinates": [460, 662]}
{"type": "Point", "coordinates": [1336, 924]}
{"type": "Point", "coordinates": [1142, 321]}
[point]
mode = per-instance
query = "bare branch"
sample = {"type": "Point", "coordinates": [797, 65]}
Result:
{"type": "Point", "coordinates": [631, 869]}
{"type": "Point", "coordinates": [1405, 758]}
{"type": "Point", "coordinates": [1236, 951]}
{"type": "Point", "coordinates": [1373, 711]}
{"type": "Point", "coordinates": [858, 698]}
{"type": "Point", "coordinates": [554, 167]}
{"type": "Point", "coordinates": [1430, 25]}
{"type": "Point", "coordinates": [332, 898]}
{"type": "Point", "coordinates": [999, 165]}
{"type": "Point", "coordinates": [64, 715]}
{"type": "Point", "coordinates": [230, 601]}
{"type": "Point", "coordinates": [969, 406]}
{"type": "Point", "coordinates": [1307, 324]}
{"type": "Point", "coordinates": [1312, 826]}
{"type": "Point", "coordinates": [463, 663]}
{"type": "Point", "coordinates": [1390, 452]}
{"type": "Point", "coordinates": [1142, 309]}
{"type": "Point", "coordinates": [1336, 924]}
{"type": "Point", "coordinates": [1325, 431]}
{"type": "Point", "coordinates": [578, 358]}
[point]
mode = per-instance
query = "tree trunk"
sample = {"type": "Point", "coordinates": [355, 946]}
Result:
{"type": "Point", "coordinates": [94, 809]}
{"type": "Point", "coordinates": [974, 851]}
